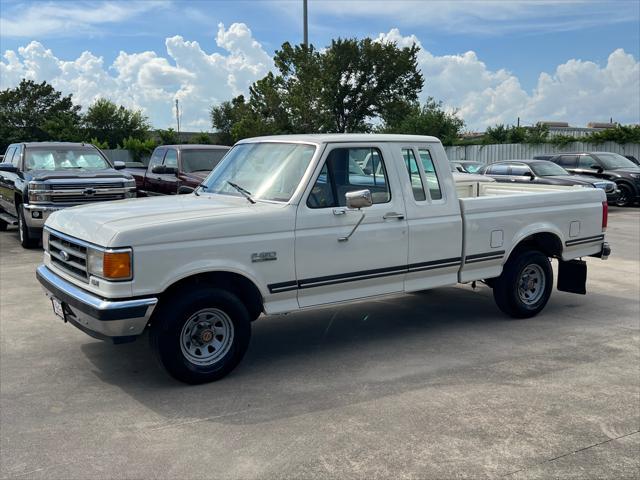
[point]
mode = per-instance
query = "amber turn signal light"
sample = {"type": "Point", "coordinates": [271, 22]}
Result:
{"type": "Point", "coordinates": [117, 266]}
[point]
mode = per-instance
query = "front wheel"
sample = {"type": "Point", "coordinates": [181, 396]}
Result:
{"type": "Point", "coordinates": [23, 231]}
{"type": "Point", "coordinates": [201, 334]}
{"type": "Point", "coordinates": [524, 287]}
{"type": "Point", "coordinates": [624, 199]}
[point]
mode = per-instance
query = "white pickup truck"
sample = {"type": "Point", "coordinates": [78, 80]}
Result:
{"type": "Point", "coordinates": [296, 222]}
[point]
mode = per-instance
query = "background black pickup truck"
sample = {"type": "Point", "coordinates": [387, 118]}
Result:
{"type": "Point", "coordinates": [41, 177]}
{"type": "Point", "coordinates": [174, 166]}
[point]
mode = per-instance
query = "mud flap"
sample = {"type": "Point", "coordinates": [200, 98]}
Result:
{"type": "Point", "coordinates": [572, 276]}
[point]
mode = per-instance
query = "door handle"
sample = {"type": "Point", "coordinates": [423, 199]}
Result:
{"type": "Point", "coordinates": [339, 211]}
{"type": "Point", "coordinates": [388, 215]}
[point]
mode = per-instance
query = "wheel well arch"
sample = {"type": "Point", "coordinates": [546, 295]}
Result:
{"type": "Point", "coordinates": [248, 293]}
{"type": "Point", "coordinates": [546, 242]}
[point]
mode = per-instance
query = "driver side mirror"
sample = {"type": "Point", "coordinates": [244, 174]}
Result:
{"type": "Point", "coordinates": [529, 174]}
{"type": "Point", "coordinates": [359, 199]}
{"type": "Point", "coordinates": [158, 169]}
{"type": "Point", "coordinates": [118, 165]}
{"type": "Point", "coordinates": [596, 167]}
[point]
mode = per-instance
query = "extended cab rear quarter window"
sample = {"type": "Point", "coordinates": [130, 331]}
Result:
{"type": "Point", "coordinates": [433, 184]}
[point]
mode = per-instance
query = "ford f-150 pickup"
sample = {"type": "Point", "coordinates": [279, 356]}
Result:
{"type": "Point", "coordinates": [287, 223]}
{"type": "Point", "coordinates": [175, 169]}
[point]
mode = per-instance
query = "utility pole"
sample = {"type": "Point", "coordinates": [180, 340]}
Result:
{"type": "Point", "coordinates": [305, 23]}
{"type": "Point", "coordinates": [178, 116]}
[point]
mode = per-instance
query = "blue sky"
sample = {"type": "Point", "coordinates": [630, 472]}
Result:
{"type": "Point", "coordinates": [514, 45]}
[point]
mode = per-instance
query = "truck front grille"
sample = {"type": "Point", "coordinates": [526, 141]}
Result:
{"type": "Point", "coordinates": [78, 193]}
{"type": "Point", "coordinates": [68, 256]}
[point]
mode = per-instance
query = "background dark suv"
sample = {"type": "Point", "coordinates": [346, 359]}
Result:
{"type": "Point", "coordinates": [610, 166]}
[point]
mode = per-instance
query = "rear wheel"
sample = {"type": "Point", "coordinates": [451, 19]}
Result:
{"type": "Point", "coordinates": [23, 231]}
{"type": "Point", "coordinates": [3, 225]}
{"type": "Point", "coordinates": [200, 335]}
{"type": "Point", "coordinates": [524, 287]}
{"type": "Point", "coordinates": [624, 199]}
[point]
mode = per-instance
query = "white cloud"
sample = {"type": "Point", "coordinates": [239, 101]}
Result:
{"type": "Point", "coordinates": [578, 91]}
{"type": "Point", "coordinates": [44, 19]}
{"type": "Point", "coordinates": [148, 81]}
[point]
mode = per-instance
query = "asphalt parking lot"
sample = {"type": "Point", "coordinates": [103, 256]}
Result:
{"type": "Point", "coordinates": [432, 385]}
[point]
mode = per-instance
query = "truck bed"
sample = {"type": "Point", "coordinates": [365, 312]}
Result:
{"type": "Point", "coordinates": [497, 216]}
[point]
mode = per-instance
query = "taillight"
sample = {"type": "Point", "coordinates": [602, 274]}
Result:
{"type": "Point", "coordinates": [605, 215]}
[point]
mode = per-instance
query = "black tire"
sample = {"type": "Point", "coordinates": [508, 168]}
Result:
{"type": "Point", "coordinates": [506, 289]}
{"type": "Point", "coordinates": [26, 240]}
{"type": "Point", "coordinates": [170, 318]}
{"type": "Point", "coordinates": [3, 225]}
{"type": "Point", "coordinates": [624, 200]}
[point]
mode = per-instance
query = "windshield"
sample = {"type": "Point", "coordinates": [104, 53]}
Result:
{"type": "Point", "coordinates": [611, 161]}
{"type": "Point", "coordinates": [547, 169]}
{"type": "Point", "coordinates": [267, 171]}
{"type": "Point", "coordinates": [201, 160]}
{"type": "Point", "coordinates": [64, 158]}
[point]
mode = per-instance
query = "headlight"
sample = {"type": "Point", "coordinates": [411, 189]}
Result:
{"type": "Point", "coordinates": [635, 175]}
{"type": "Point", "coordinates": [110, 265]}
{"type": "Point", "coordinates": [39, 192]}
{"type": "Point", "coordinates": [130, 186]}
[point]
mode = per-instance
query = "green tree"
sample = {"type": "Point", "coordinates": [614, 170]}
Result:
{"type": "Point", "coordinates": [497, 134]}
{"type": "Point", "coordinates": [168, 137]}
{"type": "Point", "coordinates": [428, 119]}
{"type": "Point", "coordinates": [344, 88]}
{"type": "Point", "coordinates": [112, 124]}
{"type": "Point", "coordinates": [37, 112]}
{"type": "Point", "coordinates": [202, 138]}
{"type": "Point", "coordinates": [138, 148]}
{"type": "Point", "coordinates": [537, 134]}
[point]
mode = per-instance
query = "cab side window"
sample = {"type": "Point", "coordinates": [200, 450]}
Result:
{"type": "Point", "coordinates": [8, 156]}
{"type": "Point", "coordinates": [567, 161]}
{"type": "Point", "coordinates": [414, 174]}
{"type": "Point", "coordinates": [586, 161]}
{"type": "Point", "coordinates": [433, 184]}
{"type": "Point", "coordinates": [500, 169]}
{"type": "Point", "coordinates": [519, 170]}
{"type": "Point", "coordinates": [342, 173]}
{"type": "Point", "coordinates": [171, 158]}
{"type": "Point", "coordinates": [17, 157]}
{"type": "Point", "coordinates": [156, 158]}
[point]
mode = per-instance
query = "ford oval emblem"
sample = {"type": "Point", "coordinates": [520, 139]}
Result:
{"type": "Point", "coordinates": [89, 192]}
{"type": "Point", "coordinates": [64, 255]}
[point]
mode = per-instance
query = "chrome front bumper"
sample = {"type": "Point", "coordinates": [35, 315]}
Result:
{"type": "Point", "coordinates": [116, 320]}
{"type": "Point", "coordinates": [36, 215]}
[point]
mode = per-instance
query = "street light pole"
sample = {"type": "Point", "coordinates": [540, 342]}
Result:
{"type": "Point", "coordinates": [306, 23]}
{"type": "Point", "coordinates": [178, 117]}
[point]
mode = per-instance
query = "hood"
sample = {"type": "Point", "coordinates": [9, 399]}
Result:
{"type": "Point", "coordinates": [573, 179]}
{"type": "Point", "coordinates": [152, 220]}
{"type": "Point", "coordinates": [77, 174]}
{"type": "Point", "coordinates": [199, 175]}
{"type": "Point", "coordinates": [626, 170]}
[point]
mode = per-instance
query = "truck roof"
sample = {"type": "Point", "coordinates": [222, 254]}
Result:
{"type": "Point", "coordinates": [343, 137]}
{"type": "Point", "coordinates": [54, 144]}
{"type": "Point", "coordinates": [195, 146]}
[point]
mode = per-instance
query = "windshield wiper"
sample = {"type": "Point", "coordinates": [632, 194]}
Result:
{"type": "Point", "coordinates": [245, 193]}
{"type": "Point", "coordinates": [202, 186]}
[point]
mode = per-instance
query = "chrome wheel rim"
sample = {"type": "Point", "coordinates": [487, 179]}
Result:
{"type": "Point", "coordinates": [622, 199]}
{"type": "Point", "coordinates": [206, 337]}
{"type": "Point", "coordinates": [531, 284]}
